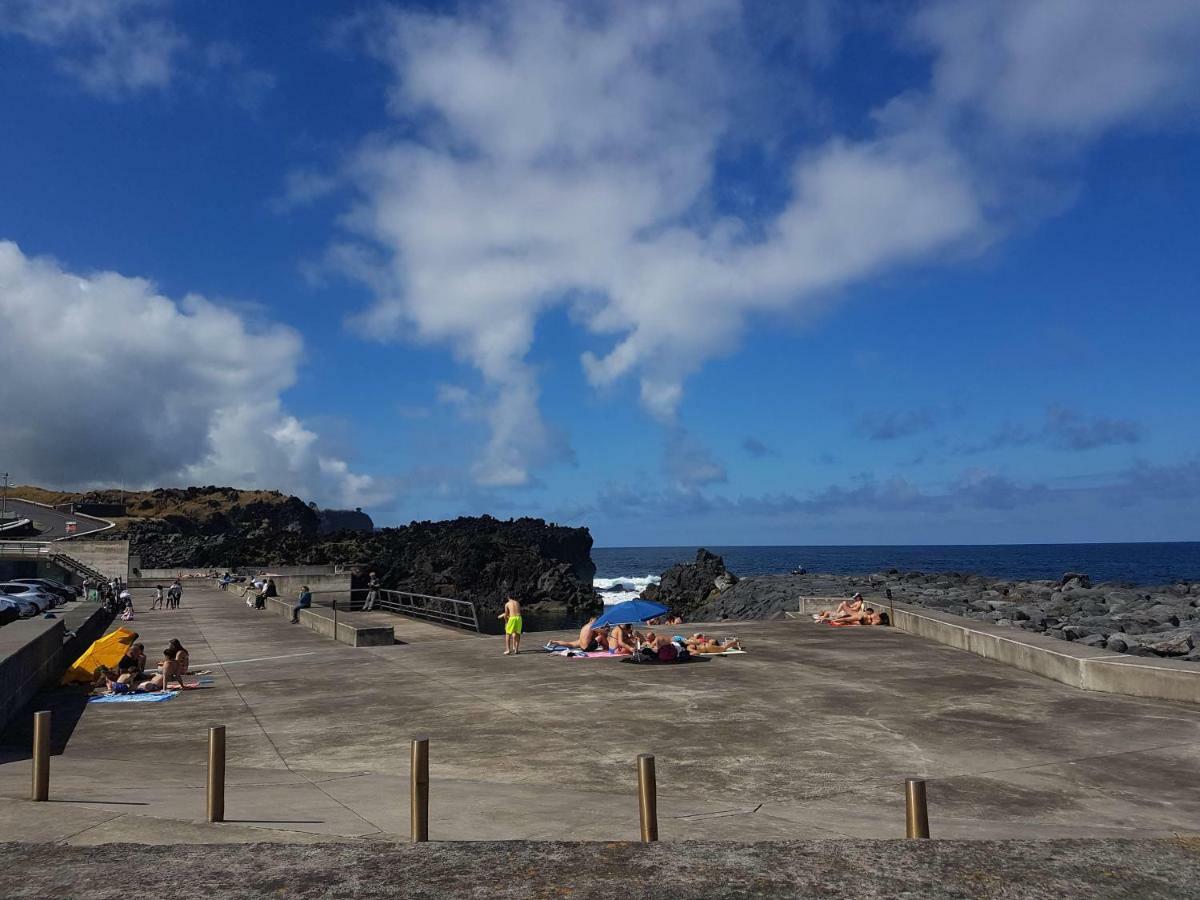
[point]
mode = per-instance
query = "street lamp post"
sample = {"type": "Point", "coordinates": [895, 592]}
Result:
{"type": "Point", "coordinates": [4, 499]}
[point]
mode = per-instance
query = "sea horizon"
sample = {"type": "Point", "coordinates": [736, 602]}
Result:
{"type": "Point", "coordinates": [623, 572]}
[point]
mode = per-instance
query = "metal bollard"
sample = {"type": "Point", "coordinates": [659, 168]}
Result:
{"type": "Point", "coordinates": [419, 789]}
{"type": "Point", "coordinates": [648, 797]}
{"type": "Point", "coordinates": [916, 811]}
{"type": "Point", "coordinates": [41, 756]}
{"type": "Point", "coordinates": [216, 774]}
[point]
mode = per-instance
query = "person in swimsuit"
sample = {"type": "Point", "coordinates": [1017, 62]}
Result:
{"type": "Point", "coordinates": [847, 609]}
{"type": "Point", "coordinates": [511, 615]}
{"type": "Point", "coordinates": [621, 640]}
{"type": "Point", "coordinates": [702, 643]}
{"type": "Point", "coordinates": [182, 658]}
{"type": "Point", "coordinates": [586, 638]}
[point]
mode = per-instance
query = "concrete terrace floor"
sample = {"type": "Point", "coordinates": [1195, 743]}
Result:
{"type": "Point", "coordinates": [808, 736]}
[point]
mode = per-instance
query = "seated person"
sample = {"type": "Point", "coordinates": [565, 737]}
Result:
{"type": "Point", "coordinates": [621, 640]}
{"type": "Point", "coordinates": [135, 658]}
{"type": "Point", "coordinates": [168, 671]}
{"type": "Point", "coordinates": [845, 610]}
{"type": "Point", "coordinates": [183, 659]}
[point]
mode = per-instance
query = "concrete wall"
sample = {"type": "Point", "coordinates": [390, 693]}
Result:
{"type": "Point", "coordinates": [35, 652]}
{"type": "Point", "coordinates": [324, 587]}
{"type": "Point", "coordinates": [110, 558]}
{"type": "Point", "coordinates": [321, 620]}
{"type": "Point", "coordinates": [169, 575]}
{"type": "Point", "coordinates": [1072, 664]}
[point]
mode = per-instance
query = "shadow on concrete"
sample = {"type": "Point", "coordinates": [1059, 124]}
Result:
{"type": "Point", "coordinates": [66, 706]}
{"type": "Point", "coordinates": [278, 821]}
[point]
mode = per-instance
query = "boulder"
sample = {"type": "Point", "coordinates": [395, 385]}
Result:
{"type": "Point", "coordinates": [686, 587]}
{"type": "Point", "coordinates": [1071, 580]}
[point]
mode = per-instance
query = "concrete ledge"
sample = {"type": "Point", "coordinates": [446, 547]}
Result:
{"type": "Point", "coordinates": [1063, 661]}
{"type": "Point", "coordinates": [321, 621]}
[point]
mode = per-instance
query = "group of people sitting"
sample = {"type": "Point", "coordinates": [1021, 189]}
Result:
{"type": "Point", "coordinates": [129, 676]}
{"type": "Point", "coordinates": [625, 640]}
{"type": "Point", "coordinates": [852, 612]}
{"type": "Point", "coordinates": [256, 592]}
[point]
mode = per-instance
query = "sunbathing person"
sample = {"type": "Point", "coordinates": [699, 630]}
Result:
{"type": "Point", "coordinates": [585, 641]}
{"type": "Point", "coordinates": [867, 617]}
{"type": "Point", "coordinates": [702, 643]}
{"type": "Point", "coordinates": [182, 658]}
{"type": "Point", "coordinates": [845, 610]}
{"type": "Point", "coordinates": [111, 683]}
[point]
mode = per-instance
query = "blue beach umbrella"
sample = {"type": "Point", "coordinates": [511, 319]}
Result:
{"type": "Point", "coordinates": [629, 612]}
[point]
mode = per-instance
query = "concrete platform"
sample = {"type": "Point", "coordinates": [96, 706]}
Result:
{"type": "Point", "coordinates": [810, 735]}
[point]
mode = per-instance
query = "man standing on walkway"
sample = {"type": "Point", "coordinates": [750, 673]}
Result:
{"type": "Point", "coordinates": [372, 593]}
{"type": "Point", "coordinates": [512, 626]}
{"type": "Point", "coordinates": [174, 594]}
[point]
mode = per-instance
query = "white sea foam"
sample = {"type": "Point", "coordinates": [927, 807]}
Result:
{"type": "Point", "coordinates": [623, 587]}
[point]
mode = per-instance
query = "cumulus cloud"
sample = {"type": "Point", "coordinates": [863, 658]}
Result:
{"type": "Point", "coordinates": [545, 154]}
{"type": "Point", "coordinates": [107, 381]}
{"type": "Point", "coordinates": [565, 155]}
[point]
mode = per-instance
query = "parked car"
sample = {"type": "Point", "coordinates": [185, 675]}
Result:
{"type": "Point", "coordinates": [26, 608]}
{"type": "Point", "coordinates": [43, 599]}
{"type": "Point", "coordinates": [10, 610]}
{"type": "Point", "coordinates": [63, 591]}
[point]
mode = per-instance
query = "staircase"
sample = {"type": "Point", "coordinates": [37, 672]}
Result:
{"type": "Point", "coordinates": [48, 551]}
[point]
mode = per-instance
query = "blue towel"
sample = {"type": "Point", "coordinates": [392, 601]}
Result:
{"type": "Point", "coordinates": [134, 698]}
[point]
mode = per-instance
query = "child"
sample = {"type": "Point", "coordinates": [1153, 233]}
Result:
{"type": "Point", "coordinates": [158, 597]}
{"type": "Point", "coordinates": [512, 627]}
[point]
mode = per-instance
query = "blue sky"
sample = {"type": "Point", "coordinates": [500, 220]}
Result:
{"type": "Point", "coordinates": [706, 272]}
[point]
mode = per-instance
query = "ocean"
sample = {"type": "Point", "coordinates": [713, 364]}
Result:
{"type": "Point", "coordinates": [623, 572]}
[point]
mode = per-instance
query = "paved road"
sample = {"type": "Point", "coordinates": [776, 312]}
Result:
{"type": "Point", "coordinates": [808, 736]}
{"type": "Point", "coordinates": [51, 522]}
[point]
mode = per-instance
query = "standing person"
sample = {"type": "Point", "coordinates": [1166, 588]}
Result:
{"type": "Point", "coordinates": [175, 594]}
{"type": "Point", "coordinates": [304, 601]}
{"type": "Point", "coordinates": [512, 626]}
{"type": "Point", "coordinates": [372, 593]}
{"type": "Point", "coordinates": [158, 597]}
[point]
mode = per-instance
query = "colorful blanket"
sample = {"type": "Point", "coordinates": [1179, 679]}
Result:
{"type": "Point", "coordinates": [159, 697]}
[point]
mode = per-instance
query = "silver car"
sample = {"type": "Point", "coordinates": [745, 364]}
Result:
{"type": "Point", "coordinates": [44, 600]}
{"type": "Point", "coordinates": [26, 608]}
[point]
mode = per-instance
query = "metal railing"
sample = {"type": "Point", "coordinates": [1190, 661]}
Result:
{"type": "Point", "coordinates": [51, 552]}
{"type": "Point", "coordinates": [444, 610]}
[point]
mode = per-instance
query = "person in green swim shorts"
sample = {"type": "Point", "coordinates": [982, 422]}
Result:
{"type": "Point", "coordinates": [512, 626]}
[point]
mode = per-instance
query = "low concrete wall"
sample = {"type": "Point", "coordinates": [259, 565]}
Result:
{"type": "Point", "coordinates": [321, 620]}
{"type": "Point", "coordinates": [109, 558]}
{"type": "Point", "coordinates": [35, 652]}
{"type": "Point", "coordinates": [1062, 661]}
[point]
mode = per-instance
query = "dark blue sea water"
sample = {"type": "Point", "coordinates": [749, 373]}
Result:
{"type": "Point", "coordinates": [1136, 563]}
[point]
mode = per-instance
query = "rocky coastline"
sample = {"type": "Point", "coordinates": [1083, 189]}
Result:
{"type": "Point", "coordinates": [479, 558]}
{"type": "Point", "coordinates": [1162, 621]}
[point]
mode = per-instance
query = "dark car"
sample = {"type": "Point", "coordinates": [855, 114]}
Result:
{"type": "Point", "coordinates": [10, 610]}
{"type": "Point", "coordinates": [26, 608]}
{"type": "Point", "coordinates": [43, 599]}
{"type": "Point", "coordinates": [63, 591]}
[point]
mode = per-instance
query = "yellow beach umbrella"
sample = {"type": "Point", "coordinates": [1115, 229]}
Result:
{"type": "Point", "coordinates": [105, 652]}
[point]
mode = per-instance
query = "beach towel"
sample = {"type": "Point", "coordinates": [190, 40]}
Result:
{"type": "Point", "coordinates": [595, 654]}
{"type": "Point", "coordinates": [134, 698]}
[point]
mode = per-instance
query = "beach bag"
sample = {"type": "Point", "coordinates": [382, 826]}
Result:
{"type": "Point", "coordinates": [667, 653]}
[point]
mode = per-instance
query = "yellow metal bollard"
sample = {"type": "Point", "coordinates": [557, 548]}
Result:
{"type": "Point", "coordinates": [648, 797]}
{"type": "Point", "coordinates": [41, 756]}
{"type": "Point", "coordinates": [419, 789]}
{"type": "Point", "coordinates": [916, 811]}
{"type": "Point", "coordinates": [216, 774]}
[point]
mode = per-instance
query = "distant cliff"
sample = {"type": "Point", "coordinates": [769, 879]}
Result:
{"type": "Point", "coordinates": [332, 520]}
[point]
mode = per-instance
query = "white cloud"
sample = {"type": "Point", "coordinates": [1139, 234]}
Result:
{"type": "Point", "coordinates": [1067, 68]}
{"type": "Point", "coordinates": [112, 46]}
{"type": "Point", "coordinates": [568, 154]}
{"type": "Point", "coordinates": [565, 154]}
{"type": "Point", "coordinates": [107, 381]}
